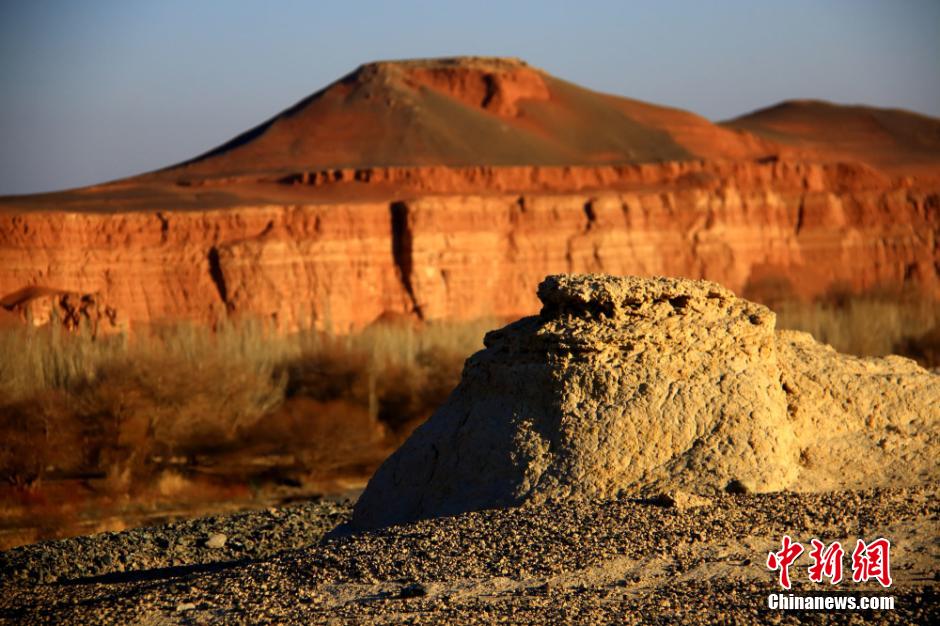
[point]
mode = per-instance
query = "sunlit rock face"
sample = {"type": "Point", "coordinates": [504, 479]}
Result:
{"type": "Point", "coordinates": [625, 384]}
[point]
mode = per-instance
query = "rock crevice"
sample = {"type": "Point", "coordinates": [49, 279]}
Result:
{"type": "Point", "coordinates": [403, 252]}
{"type": "Point", "coordinates": [217, 275]}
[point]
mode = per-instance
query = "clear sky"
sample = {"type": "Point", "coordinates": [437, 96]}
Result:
{"type": "Point", "coordinates": [99, 89]}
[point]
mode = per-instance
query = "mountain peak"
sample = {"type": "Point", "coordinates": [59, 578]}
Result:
{"type": "Point", "coordinates": [453, 111]}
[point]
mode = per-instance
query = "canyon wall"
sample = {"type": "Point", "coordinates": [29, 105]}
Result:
{"type": "Point", "coordinates": [460, 255]}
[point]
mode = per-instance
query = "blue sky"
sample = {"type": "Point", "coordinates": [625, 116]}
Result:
{"type": "Point", "coordinates": [100, 89]}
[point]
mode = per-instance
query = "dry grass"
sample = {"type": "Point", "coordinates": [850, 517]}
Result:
{"type": "Point", "coordinates": [870, 326]}
{"type": "Point", "coordinates": [73, 404]}
{"type": "Point", "coordinates": [884, 320]}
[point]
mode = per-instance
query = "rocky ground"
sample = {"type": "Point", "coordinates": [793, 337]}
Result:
{"type": "Point", "coordinates": [621, 560]}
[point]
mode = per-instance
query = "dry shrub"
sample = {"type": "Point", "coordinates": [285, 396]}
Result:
{"type": "Point", "coordinates": [770, 290]}
{"type": "Point", "coordinates": [180, 390]}
{"type": "Point", "coordinates": [330, 372]}
{"type": "Point", "coordinates": [886, 319]}
{"type": "Point", "coordinates": [38, 435]}
{"type": "Point", "coordinates": [321, 437]}
{"type": "Point", "coordinates": [152, 406]}
{"type": "Point", "coordinates": [36, 360]}
{"type": "Point", "coordinates": [110, 406]}
{"type": "Point", "coordinates": [876, 323]}
{"type": "Point", "coordinates": [925, 348]}
{"type": "Point", "coordinates": [399, 373]}
{"type": "Point", "coordinates": [409, 392]}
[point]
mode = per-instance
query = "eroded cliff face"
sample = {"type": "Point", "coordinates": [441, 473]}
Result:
{"type": "Point", "coordinates": [447, 188]}
{"type": "Point", "coordinates": [296, 266]}
{"type": "Point", "coordinates": [472, 254]}
{"type": "Point", "coordinates": [454, 254]}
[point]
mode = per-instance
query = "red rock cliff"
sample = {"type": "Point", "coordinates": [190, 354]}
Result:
{"type": "Point", "coordinates": [449, 188]}
{"type": "Point", "coordinates": [460, 255]}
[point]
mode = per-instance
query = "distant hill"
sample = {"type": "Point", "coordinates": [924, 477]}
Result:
{"type": "Point", "coordinates": [465, 111]}
{"type": "Point", "coordinates": [888, 138]}
{"type": "Point", "coordinates": [489, 111]}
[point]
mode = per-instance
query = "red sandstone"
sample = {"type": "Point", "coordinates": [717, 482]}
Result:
{"type": "Point", "coordinates": [386, 219]}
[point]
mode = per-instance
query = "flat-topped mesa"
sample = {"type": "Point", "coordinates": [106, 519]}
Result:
{"type": "Point", "coordinates": [456, 63]}
{"type": "Point", "coordinates": [636, 385]}
{"type": "Point", "coordinates": [482, 111]}
{"type": "Point", "coordinates": [449, 112]}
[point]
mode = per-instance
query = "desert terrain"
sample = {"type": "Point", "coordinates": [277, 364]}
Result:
{"type": "Point", "coordinates": [448, 189]}
{"type": "Point", "coordinates": [631, 454]}
{"type": "Point", "coordinates": [295, 334]}
{"type": "Point", "coordinates": [615, 561]}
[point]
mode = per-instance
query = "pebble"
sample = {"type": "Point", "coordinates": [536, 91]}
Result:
{"type": "Point", "coordinates": [553, 563]}
{"type": "Point", "coordinates": [412, 590]}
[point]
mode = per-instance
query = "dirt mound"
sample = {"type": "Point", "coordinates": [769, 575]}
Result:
{"type": "Point", "coordinates": [463, 111]}
{"type": "Point", "coordinates": [887, 138]}
{"type": "Point", "coordinates": [645, 385]}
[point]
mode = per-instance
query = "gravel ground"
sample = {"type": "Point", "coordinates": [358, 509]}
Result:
{"type": "Point", "coordinates": [625, 561]}
{"type": "Point", "coordinates": [249, 536]}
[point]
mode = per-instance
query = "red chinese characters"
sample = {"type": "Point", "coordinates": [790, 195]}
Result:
{"type": "Point", "coordinates": [782, 560]}
{"type": "Point", "coordinates": [827, 562]}
{"type": "Point", "coordinates": [872, 560]}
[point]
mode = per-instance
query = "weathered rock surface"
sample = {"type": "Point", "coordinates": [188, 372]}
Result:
{"type": "Point", "coordinates": [859, 421]}
{"type": "Point", "coordinates": [649, 385]}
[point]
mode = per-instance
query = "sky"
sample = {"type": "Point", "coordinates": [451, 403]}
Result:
{"type": "Point", "coordinates": [101, 89]}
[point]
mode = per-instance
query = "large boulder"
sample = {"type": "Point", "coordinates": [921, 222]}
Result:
{"type": "Point", "coordinates": [641, 385]}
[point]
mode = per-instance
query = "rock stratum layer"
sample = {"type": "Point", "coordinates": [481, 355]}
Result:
{"type": "Point", "coordinates": [344, 264]}
{"type": "Point", "coordinates": [644, 385]}
{"type": "Point", "coordinates": [448, 188]}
